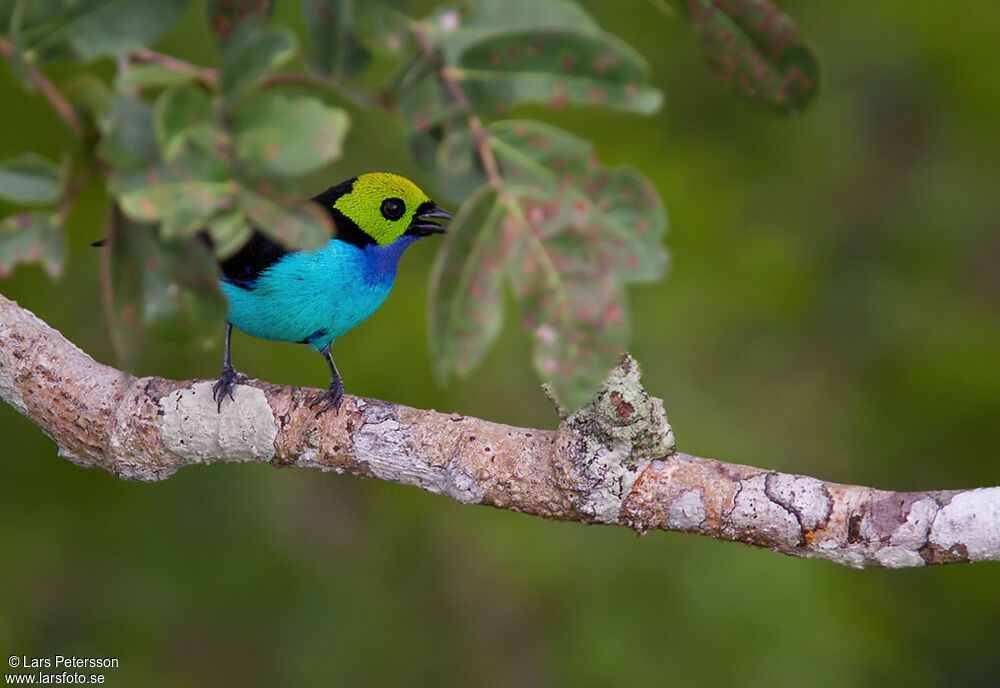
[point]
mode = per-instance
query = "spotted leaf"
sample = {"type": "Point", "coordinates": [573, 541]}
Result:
{"type": "Point", "coordinates": [537, 51]}
{"type": "Point", "coordinates": [178, 193]}
{"type": "Point", "coordinates": [225, 15]}
{"type": "Point", "coordinates": [612, 213]}
{"type": "Point", "coordinates": [566, 233]}
{"type": "Point", "coordinates": [283, 136]}
{"type": "Point", "coordinates": [183, 115]}
{"type": "Point", "coordinates": [756, 47]}
{"type": "Point", "coordinates": [160, 289]}
{"type": "Point", "coordinates": [32, 237]}
{"type": "Point", "coordinates": [465, 303]}
{"type": "Point", "coordinates": [86, 30]}
{"type": "Point", "coordinates": [294, 225]}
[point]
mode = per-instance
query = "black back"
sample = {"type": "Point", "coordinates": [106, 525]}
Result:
{"type": "Point", "coordinates": [261, 252]}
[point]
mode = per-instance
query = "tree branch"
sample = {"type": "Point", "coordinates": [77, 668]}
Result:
{"type": "Point", "coordinates": [612, 462]}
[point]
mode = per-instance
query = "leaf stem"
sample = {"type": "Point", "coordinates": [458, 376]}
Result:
{"type": "Point", "coordinates": [49, 91]}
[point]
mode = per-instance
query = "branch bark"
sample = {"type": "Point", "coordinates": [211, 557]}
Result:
{"type": "Point", "coordinates": [613, 462]}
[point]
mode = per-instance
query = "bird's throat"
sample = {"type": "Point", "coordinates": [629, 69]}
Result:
{"type": "Point", "coordinates": [382, 261]}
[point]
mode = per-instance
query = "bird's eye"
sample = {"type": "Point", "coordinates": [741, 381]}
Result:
{"type": "Point", "coordinates": [393, 208]}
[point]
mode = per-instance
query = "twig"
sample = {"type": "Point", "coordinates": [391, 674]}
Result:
{"type": "Point", "coordinates": [480, 135]}
{"type": "Point", "coordinates": [50, 92]}
{"type": "Point", "coordinates": [207, 75]}
{"type": "Point", "coordinates": [613, 462]}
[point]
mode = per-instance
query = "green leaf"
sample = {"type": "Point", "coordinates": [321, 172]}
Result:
{"type": "Point", "coordinates": [188, 214]}
{"type": "Point", "coordinates": [91, 95]}
{"type": "Point", "coordinates": [183, 115]}
{"type": "Point", "coordinates": [301, 226]}
{"type": "Point", "coordinates": [424, 101]}
{"type": "Point", "coordinates": [32, 237]}
{"type": "Point", "coordinates": [223, 15]}
{"type": "Point", "coordinates": [31, 179]}
{"type": "Point", "coordinates": [229, 232]}
{"type": "Point", "coordinates": [382, 26]}
{"type": "Point", "coordinates": [539, 51]}
{"type": "Point", "coordinates": [447, 151]}
{"type": "Point", "coordinates": [193, 186]}
{"type": "Point", "coordinates": [567, 233]}
{"type": "Point", "coordinates": [335, 47]}
{"type": "Point", "coordinates": [127, 135]}
{"type": "Point", "coordinates": [574, 310]}
{"type": "Point", "coordinates": [142, 76]}
{"type": "Point", "coordinates": [252, 51]}
{"type": "Point", "coordinates": [25, 16]}
{"type": "Point", "coordinates": [288, 136]}
{"type": "Point", "coordinates": [454, 30]}
{"type": "Point", "coordinates": [161, 289]}
{"type": "Point", "coordinates": [84, 30]}
{"type": "Point", "coordinates": [615, 211]}
{"type": "Point", "coordinates": [465, 301]}
{"type": "Point", "coordinates": [756, 47]}
{"type": "Point", "coordinates": [555, 68]}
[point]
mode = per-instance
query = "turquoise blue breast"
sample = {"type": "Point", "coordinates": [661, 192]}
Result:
{"type": "Point", "coordinates": [314, 297]}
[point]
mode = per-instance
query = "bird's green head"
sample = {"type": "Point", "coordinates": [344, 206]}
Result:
{"type": "Point", "coordinates": [379, 208]}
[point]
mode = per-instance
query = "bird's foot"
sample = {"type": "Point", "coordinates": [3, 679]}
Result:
{"type": "Point", "coordinates": [330, 399]}
{"type": "Point", "coordinates": [224, 387]}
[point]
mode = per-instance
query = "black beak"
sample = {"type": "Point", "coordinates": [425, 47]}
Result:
{"type": "Point", "coordinates": [423, 225]}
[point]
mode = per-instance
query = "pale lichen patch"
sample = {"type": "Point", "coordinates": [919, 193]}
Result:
{"type": "Point", "coordinates": [687, 512]}
{"type": "Point", "coordinates": [895, 557]}
{"type": "Point", "coordinates": [961, 523]}
{"type": "Point", "coordinates": [754, 511]}
{"type": "Point", "coordinates": [194, 428]}
{"type": "Point", "coordinates": [912, 533]}
{"type": "Point", "coordinates": [852, 559]}
{"type": "Point", "coordinates": [807, 498]}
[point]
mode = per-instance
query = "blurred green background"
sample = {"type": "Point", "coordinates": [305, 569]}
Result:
{"type": "Point", "coordinates": [832, 310]}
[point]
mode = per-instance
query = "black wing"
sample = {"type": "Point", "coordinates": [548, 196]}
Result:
{"type": "Point", "coordinates": [244, 267]}
{"type": "Point", "coordinates": [261, 252]}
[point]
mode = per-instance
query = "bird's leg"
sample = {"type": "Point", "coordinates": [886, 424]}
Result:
{"type": "Point", "coordinates": [332, 397]}
{"type": "Point", "coordinates": [229, 375]}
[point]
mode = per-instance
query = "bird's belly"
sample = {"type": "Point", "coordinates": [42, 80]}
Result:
{"type": "Point", "coordinates": [298, 311]}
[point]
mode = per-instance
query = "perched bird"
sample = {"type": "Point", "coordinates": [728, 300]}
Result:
{"type": "Point", "coordinates": [313, 297]}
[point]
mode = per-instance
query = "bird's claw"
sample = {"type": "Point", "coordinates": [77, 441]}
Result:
{"type": "Point", "coordinates": [332, 398]}
{"type": "Point", "coordinates": [227, 381]}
